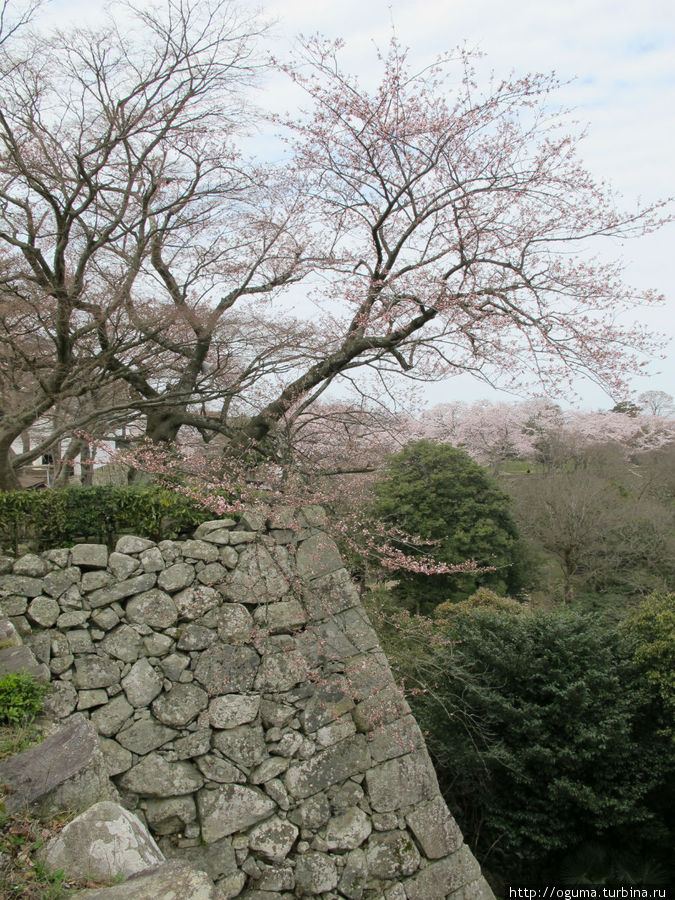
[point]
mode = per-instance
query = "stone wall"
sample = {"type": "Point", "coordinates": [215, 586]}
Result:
{"type": "Point", "coordinates": [245, 709]}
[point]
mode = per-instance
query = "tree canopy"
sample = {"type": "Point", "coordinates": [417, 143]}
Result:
{"type": "Point", "coordinates": [545, 738]}
{"type": "Point", "coordinates": [436, 227]}
{"type": "Point", "coordinates": [438, 493]}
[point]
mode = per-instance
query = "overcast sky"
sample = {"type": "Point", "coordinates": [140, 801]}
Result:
{"type": "Point", "coordinates": [619, 56]}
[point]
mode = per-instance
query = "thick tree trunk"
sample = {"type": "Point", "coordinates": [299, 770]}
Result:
{"type": "Point", "coordinates": [8, 476]}
{"type": "Point", "coordinates": [64, 474]}
{"type": "Point", "coordinates": [163, 425]}
{"type": "Point", "coordinates": [86, 466]}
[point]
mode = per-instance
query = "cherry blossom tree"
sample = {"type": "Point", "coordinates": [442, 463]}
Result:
{"type": "Point", "coordinates": [491, 433]}
{"type": "Point", "coordinates": [540, 432]}
{"type": "Point", "coordinates": [109, 144]}
{"type": "Point", "coordinates": [435, 226]}
{"type": "Point", "coordinates": [442, 222]}
{"type": "Point", "coordinates": [450, 215]}
{"type": "Point", "coordinates": [635, 434]}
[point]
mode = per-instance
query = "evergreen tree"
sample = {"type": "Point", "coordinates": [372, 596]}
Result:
{"type": "Point", "coordinates": [438, 493]}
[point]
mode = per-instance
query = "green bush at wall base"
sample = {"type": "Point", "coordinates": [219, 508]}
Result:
{"type": "Point", "coordinates": [51, 518]}
{"type": "Point", "coordinates": [20, 697]}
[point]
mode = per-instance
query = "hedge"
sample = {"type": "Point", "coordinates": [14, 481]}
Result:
{"type": "Point", "coordinates": [60, 518]}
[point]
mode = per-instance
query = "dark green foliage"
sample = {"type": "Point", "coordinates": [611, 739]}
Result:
{"type": "Point", "coordinates": [20, 697]}
{"type": "Point", "coordinates": [652, 628]}
{"type": "Point", "coordinates": [628, 408]}
{"type": "Point", "coordinates": [439, 493]}
{"type": "Point", "coordinates": [52, 518]}
{"type": "Point", "coordinates": [544, 737]}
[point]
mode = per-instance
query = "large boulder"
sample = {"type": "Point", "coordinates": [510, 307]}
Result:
{"type": "Point", "coordinates": [65, 773]}
{"type": "Point", "coordinates": [104, 842]}
{"type": "Point", "coordinates": [172, 880]}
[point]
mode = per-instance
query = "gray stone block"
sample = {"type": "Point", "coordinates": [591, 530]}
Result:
{"type": "Point", "coordinates": [195, 744]}
{"type": "Point", "coordinates": [395, 739]}
{"type": "Point", "coordinates": [44, 611]}
{"type": "Point", "coordinates": [90, 699]}
{"type": "Point", "coordinates": [208, 528]}
{"type": "Point", "coordinates": [176, 577]}
{"type": "Point", "coordinates": [13, 607]}
{"type": "Point", "coordinates": [94, 556]}
{"type": "Point", "coordinates": [195, 637]}
{"type": "Point", "coordinates": [231, 808]}
{"type": "Point", "coordinates": [230, 710]}
{"type": "Point", "coordinates": [273, 838]}
{"type": "Point", "coordinates": [111, 718]}
{"type": "Point", "coordinates": [95, 672]}
{"type": "Point", "coordinates": [180, 705]}
{"type": "Point", "coordinates": [141, 684]}
{"type": "Point", "coordinates": [348, 830]}
{"type": "Point", "coordinates": [117, 759]}
{"type": "Point", "coordinates": [222, 771]}
{"type": "Point", "coordinates": [154, 608]}
{"type": "Point", "coordinates": [392, 854]}
{"type": "Point", "coordinates": [444, 877]}
{"type": "Point", "coordinates": [213, 573]}
{"type": "Point", "coordinates": [95, 579]}
{"type": "Point", "coordinates": [57, 583]}
{"type": "Point", "coordinates": [232, 621]}
{"type": "Point", "coordinates": [152, 560]}
{"type": "Point", "coordinates": [258, 578]}
{"type": "Point", "coordinates": [122, 590]}
{"type": "Point", "coordinates": [315, 873]}
{"type": "Point", "coordinates": [435, 829]}
{"type": "Point", "coordinates": [282, 671]}
{"type": "Point", "coordinates": [331, 766]}
{"type": "Point", "coordinates": [198, 549]}
{"type": "Point", "coordinates": [328, 702]}
{"type": "Point", "coordinates": [122, 565]}
{"type": "Point", "coordinates": [353, 879]}
{"type": "Point", "coordinates": [144, 736]}
{"type": "Point", "coordinates": [171, 815]}
{"type": "Point", "coordinates": [318, 555]}
{"type": "Point", "coordinates": [227, 669]}
{"type": "Point", "coordinates": [22, 659]}
{"type": "Point", "coordinates": [20, 586]}
{"type": "Point", "coordinates": [155, 776]}
{"type": "Point", "coordinates": [216, 859]}
{"type": "Point", "coordinates": [30, 565]}
{"type": "Point", "coordinates": [328, 595]}
{"type": "Point", "coordinates": [244, 746]}
{"type": "Point", "coordinates": [381, 708]}
{"type": "Point", "coordinates": [79, 641]}
{"type": "Point", "coordinates": [241, 537]}
{"type": "Point", "coordinates": [61, 700]}
{"type": "Point", "coordinates": [123, 643]}
{"type": "Point", "coordinates": [129, 544]}
{"type": "Point", "coordinates": [401, 782]}
{"type": "Point", "coordinates": [284, 617]}
{"type": "Point", "coordinates": [9, 636]}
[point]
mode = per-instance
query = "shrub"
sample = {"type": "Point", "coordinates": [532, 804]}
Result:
{"type": "Point", "coordinates": [652, 629]}
{"type": "Point", "coordinates": [55, 518]}
{"type": "Point", "coordinates": [20, 697]}
{"type": "Point", "coordinates": [438, 493]}
{"type": "Point", "coordinates": [542, 732]}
